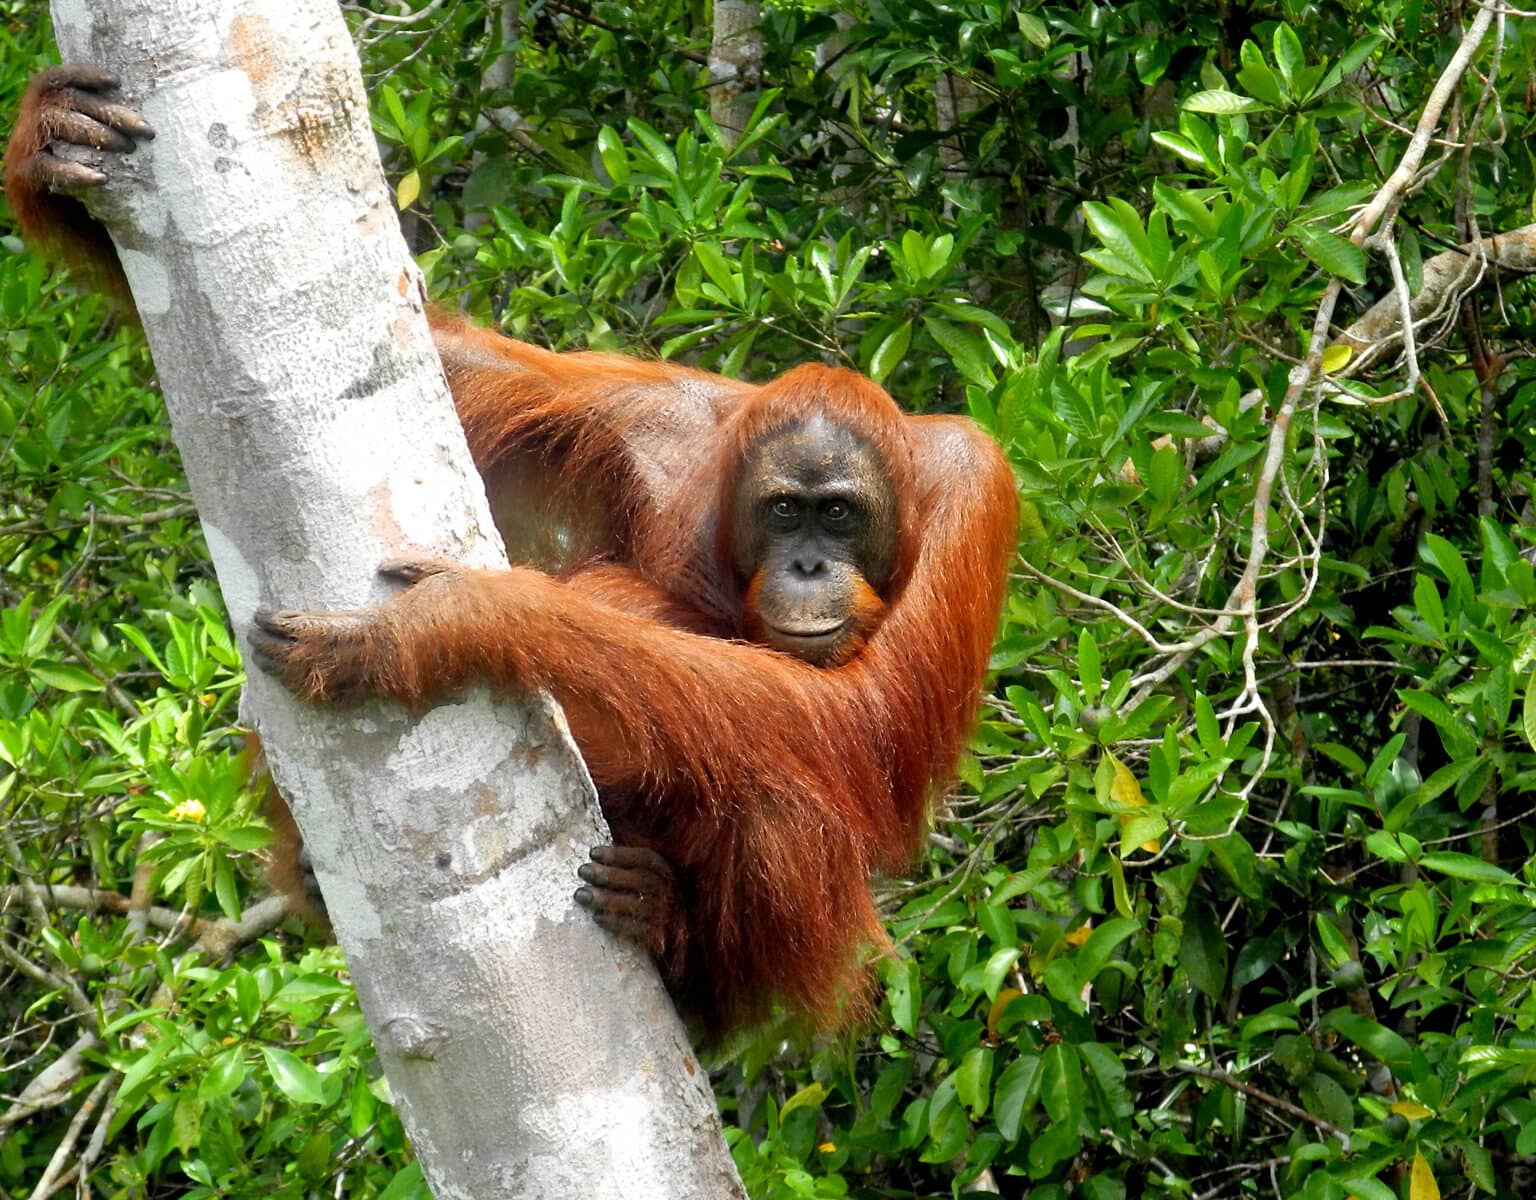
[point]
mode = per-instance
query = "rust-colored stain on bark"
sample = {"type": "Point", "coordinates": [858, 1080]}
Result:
{"type": "Point", "coordinates": [304, 115]}
{"type": "Point", "coordinates": [381, 515]}
{"type": "Point", "coordinates": [249, 37]}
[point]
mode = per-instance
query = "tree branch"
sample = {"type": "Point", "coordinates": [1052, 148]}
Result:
{"type": "Point", "coordinates": [1447, 278]}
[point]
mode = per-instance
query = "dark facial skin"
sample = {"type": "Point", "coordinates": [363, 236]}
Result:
{"type": "Point", "coordinates": [813, 528]}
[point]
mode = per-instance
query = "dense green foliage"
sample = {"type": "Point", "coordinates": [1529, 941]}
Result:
{"type": "Point", "coordinates": [1233, 899]}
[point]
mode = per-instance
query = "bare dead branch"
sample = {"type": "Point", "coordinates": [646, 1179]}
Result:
{"type": "Point", "coordinates": [1447, 278]}
{"type": "Point", "coordinates": [53, 1174]}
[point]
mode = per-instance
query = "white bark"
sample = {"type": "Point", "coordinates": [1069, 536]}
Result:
{"type": "Point", "coordinates": [955, 100]}
{"type": "Point", "coordinates": [530, 1054]}
{"type": "Point", "coordinates": [735, 65]}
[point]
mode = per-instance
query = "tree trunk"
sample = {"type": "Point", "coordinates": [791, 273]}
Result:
{"type": "Point", "coordinates": [530, 1054]}
{"type": "Point", "coordinates": [955, 100]}
{"type": "Point", "coordinates": [735, 66]}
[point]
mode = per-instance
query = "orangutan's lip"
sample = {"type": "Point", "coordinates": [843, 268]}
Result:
{"type": "Point", "coordinates": [810, 637]}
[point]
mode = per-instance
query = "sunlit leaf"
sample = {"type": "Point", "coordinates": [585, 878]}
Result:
{"type": "Point", "coordinates": [294, 1077]}
{"type": "Point", "coordinates": [1336, 357]}
{"type": "Point", "coordinates": [1223, 103]}
{"type": "Point", "coordinates": [810, 1096]}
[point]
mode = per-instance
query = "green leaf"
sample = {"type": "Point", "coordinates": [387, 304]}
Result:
{"type": "Point", "coordinates": [1102, 942]}
{"type": "Point", "coordinates": [1222, 103]}
{"type": "Point", "coordinates": [1165, 474]}
{"type": "Point", "coordinates": [407, 1184]}
{"type": "Point", "coordinates": [1426, 600]}
{"type": "Point", "coordinates": [1183, 147]}
{"type": "Point", "coordinates": [1034, 29]}
{"type": "Point", "coordinates": [1335, 948]}
{"type": "Point", "coordinates": [395, 109]}
{"type": "Point", "coordinates": [1179, 424]}
{"type": "Point", "coordinates": [1203, 952]}
{"type": "Point", "coordinates": [1412, 259]}
{"type": "Point", "coordinates": [244, 838]}
{"type": "Point", "coordinates": [1465, 866]}
{"type": "Point", "coordinates": [1456, 732]}
{"type": "Point", "coordinates": [718, 268]}
{"type": "Point", "coordinates": [186, 1122]}
{"type": "Point", "coordinates": [1143, 832]}
{"type": "Point", "coordinates": [1152, 59]}
{"type": "Point", "coordinates": [948, 1130]}
{"type": "Point", "coordinates": [1062, 1085]}
{"type": "Point", "coordinates": [224, 1074]}
{"type": "Point", "coordinates": [294, 1077]}
{"type": "Point", "coordinates": [1479, 1164]}
{"type": "Point", "coordinates": [655, 145]}
{"type": "Point", "coordinates": [65, 677]}
{"type": "Point", "coordinates": [1088, 666]}
{"type": "Point", "coordinates": [1332, 253]}
{"type": "Point", "coordinates": [1288, 55]}
{"type": "Point", "coordinates": [903, 991]}
{"type": "Point", "coordinates": [139, 1073]}
{"type": "Point", "coordinates": [1363, 1187]}
{"type": "Point", "coordinates": [1207, 728]}
{"type": "Point", "coordinates": [1120, 230]}
{"type": "Point", "coordinates": [1528, 712]}
{"type": "Point", "coordinates": [1375, 1039]}
{"type": "Point", "coordinates": [996, 969]}
{"type": "Point", "coordinates": [965, 349]}
{"type": "Point", "coordinates": [890, 352]}
{"type": "Point", "coordinates": [610, 149]}
{"type": "Point", "coordinates": [1260, 82]}
{"type": "Point", "coordinates": [1384, 759]}
{"type": "Point", "coordinates": [141, 640]}
{"type": "Point", "coordinates": [973, 1080]}
{"type": "Point", "coordinates": [1453, 566]}
{"type": "Point", "coordinates": [1017, 1092]}
{"type": "Point", "coordinates": [225, 889]}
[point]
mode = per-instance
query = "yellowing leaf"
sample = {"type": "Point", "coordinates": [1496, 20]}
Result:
{"type": "Point", "coordinates": [1412, 1109]}
{"type": "Point", "coordinates": [1421, 1182]}
{"type": "Point", "coordinates": [1030, 524]}
{"type": "Point", "coordinates": [999, 1006]}
{"type": "Point", "coordinates": [810, 1096]}
{"type": "Point", "coordinates": [407, 190]}
{"type": "Point", "coordinates": [1076, 937]}
{"type": "Point", "coordinates": [1336, 356]}
{"type": "Point", "coordinates": [1123, 789]}
{"type": "Point", "coordinates": [827, 1147]}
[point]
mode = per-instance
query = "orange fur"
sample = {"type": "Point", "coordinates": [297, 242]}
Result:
{"type": "Point", "coordinates": [774, 787]}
